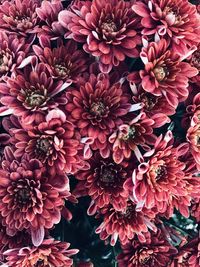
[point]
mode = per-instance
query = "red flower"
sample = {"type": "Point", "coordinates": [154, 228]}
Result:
{"type": "Point", "coordinates": [19, 16]}
{"type": "Point", "coordinates": [161, 181]}
{"type": "Point", "coordinates": [48, 13]}
{"type": "Point", "coordinates": [193, 137]}
{"type": "Point", "coordinates": [103, 182]}
{"type": "Point", "coordinates": [31, 94]}
{"type": "Point", "coordinates": [108, 29]}
{"type": "Point", "coordinates": [131, 135]}
{"type": "Point", "coordinates": [54, 142]}
{"type": "Point", "coordinates": [12, 53]}
{"type": "Point", "coordinates": [156, 251]}
{"type": "Point", "coordinates": [176, 21]}
{"type": "Point", "coordinates": [29, 197]}
{"type": "Point", "coordinates": [155, 107]}
{"type": "Point", "coordinates": [164, 74]}
{"type": "Point", "coordinates": [96, 107]}
{"type": "Point", "coordinates": [125, 225]}
{"type": "Point", "coordinates": [64, 62]}
{"type": "Point", "coordinates": [49, 253]}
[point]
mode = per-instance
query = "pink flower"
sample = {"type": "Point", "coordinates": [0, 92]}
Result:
{"type": "Point", "coordinates": [125, 224]}
{"type": "Point", "coordinates": [164, 73]}
{"type": "Point", "coordinates": [54, 142]}
{"type": "Point", "coordinates": [161, 181]}
{"type": "Point", "coordinates": [48, 13]}
{"type": "Point", "coordinates": [156, 251]}
{"type": "Point", "coordinates": [29, 197]}
{"type": "Point", "coordinates": [65, 62]}
{"type": "Point", "coordinates": [108, 29]}
{"type": "Point", "coordinates": [131, 135]}
{"type": "Point", "coordinates": [176, 21]}
{"type": "Point", "coordinates": [96, 106]}
{"type": "Point", "coordinates": [32, 93]}
{"type": "Point", "coordinates": [19, 16]}
{"type": "Point", "coordinates": [103, 182]}
{"type": "Point", "coordinates": [49, 253]}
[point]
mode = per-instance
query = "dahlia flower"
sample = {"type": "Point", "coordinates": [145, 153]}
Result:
{"type": "Point", "coordinates": [48, 13]}
{"type": "Point", "coordinates": [125, 224]}
{"type": "Point", "coordinates": [154, 106]}
{"type": "Point", "coordinates": [31, 93]}
{"type": "Point", "coordinates": [64, 62]}
{"type": "Point", "coordinates": [13, 51]}
{"type": "Point", "coordinates": [103, 182]}
{"type": "Point", "coordinates": [19, 16]}
{"type": "Point", "coordinates": [156, 251]}
{"type": "Point", "coordinates": [49, 253]}
{"type": "Point", "coordinates": [160, 181]}
{"type": "Point", "coordinates": [54, 142]}
{"type": "Point", "coordinates": [29, 197]}
{"type": "Point", "coordinates": [176, 21]}
{"type": "Point", "coordinates": [108, 29]}
{"type": "Point", "coordinates": [96, 107]}
{"type": "Point", "coordinates": [131, 135]}
{"type": "Point", "coordinates": [164, 73]}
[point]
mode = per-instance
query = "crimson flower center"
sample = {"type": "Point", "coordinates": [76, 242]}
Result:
{"type": "Point", "coordinates": [22, 195]}
{"type": "Point", "coordinates": [130, 134]}
{"type": "Point", "coordinates": [107, 176]}
{"type": "Point", "coordinates": [63, 69]}
{"type": "Point", "coordinates": [97, 108]}
{"type": "Point", "coordinates": [35, 98]}
{"type": "Point", "coordinates": [144, 257]}
{"type": "Point", "coordinates": [39, 263]}
{"type": "Point", "coordinates": [196, 59]}
{"type": "Point", "coordinates": [173, 12]}
{"type": "Point", "coordinates": [108, 26]}
{"type": "Point", "coordinates": [44, 145]}
{"type": "Point", "coordinates": [160, 73]}
{"type": "Point", "coordinates": [149, 101]}
{"type": "Point", "coordinates": [161, 172]}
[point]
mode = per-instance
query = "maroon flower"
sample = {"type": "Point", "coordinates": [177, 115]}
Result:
{"type": "Point", "coordinates": [193, 137]}
{"type": "Point", "coordinates": [30, 94]}
{"type": "Point", "coordinates": [19, 16]}
{"type": "Point", "coordinates": [155, 107]}
{"type": "Point", "coordinates": [108, 29]}
{"type": "Point", "coordinates": [164, 74]}
{"type": "Point", "coordinates": [103, 182]}
{"type": "Point", "coordinates": [49, 253]}
{"type": "Point", "coordinates": [131, 135]}
{"type": "Point", "coordinates": [64, 62]}
{"type": "Point", "coordinates": [48, 13]}
{"type": "Point", "coordinates": [29, 197]}
{"type": "Point", "coordinates": [13, 52]}
{"type": "Point", "coordinates": [156, 251]}
{"type": "Point", "coordinates": [176, 21]}
{"type": "Point", "coordinates": [125, 224]}
{"type": "Point", "coordinates": [54, 142]}
{"type": "Point", "coordinates": [161, 181]}
{"type": "Point", "coordinates": [96, 107]}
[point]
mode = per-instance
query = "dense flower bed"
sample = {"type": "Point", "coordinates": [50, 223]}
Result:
{"type": "Point", "coordinates": [100, 133]}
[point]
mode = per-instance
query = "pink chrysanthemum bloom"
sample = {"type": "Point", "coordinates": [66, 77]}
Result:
{"type": "Point", "coordinates": [125, 225]}
{"type": "Point", "coordinates": [164, 73]}
{"type": "Point", "coordinates": [49, 253]}
{"type": "Point", "coordinates": [103, 182]}
{"type": "Point", "coordinates": [31, 93]}
{"type": "Point", "coordinates": [64, 62]}
{"type": "Point", "coordinates": [175, 20]}
{"type": "Point", "coordinates": [29, 197]}
{"type": "Point", "coordinates": [156, 251]}
{"type": "Point", "coordinates": [13, 52]}
{"type": "Point", "coordinates": [193, 137]}
{"type": "Point", "coordinates": [19, 16]}
{"type": "Point", "coordinates": [155, 107]}
{"type": "Point", "coordinates": [54, 142]}
{"type": "Point", "coordinates": [48, 13]}
{"type": "Point", "coordinates": [135, 134]}
{"type": "Point", "coordinates": [160, 180]}
{"type": "Point", "coordinates": [108, 29]}
{"type": "Point", "coordinates": [96, 107]}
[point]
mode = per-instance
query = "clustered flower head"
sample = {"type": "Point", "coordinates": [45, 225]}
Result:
{"type": "Point", "coordinates": [99, 99]}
